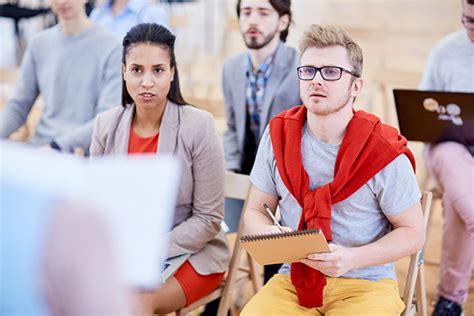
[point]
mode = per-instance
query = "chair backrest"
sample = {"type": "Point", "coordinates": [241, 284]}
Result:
{"type": "Point", "coordinates": [237, 186]}
{"type": "Point", "coordinates": [414, 294]}
{"type": "Point", "coordinates": [389, 78]}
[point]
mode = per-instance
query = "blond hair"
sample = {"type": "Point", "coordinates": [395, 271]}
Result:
{"type": "Point", "coordinates": [325, 36]}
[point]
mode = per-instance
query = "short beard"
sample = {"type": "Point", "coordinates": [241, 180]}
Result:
{"type": "Point", "coordinates": [253, 44]}
{"type": "Point", "coordinates": [340, 106]}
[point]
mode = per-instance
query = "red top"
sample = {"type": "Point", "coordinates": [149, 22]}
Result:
{"type": "Point", "coordinates": [367, 147]}
{"type": "Point", "coordinates": [142, 145]}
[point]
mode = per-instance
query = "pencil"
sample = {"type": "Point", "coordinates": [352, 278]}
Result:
{"type": "Point", "coordinates": [265, 206]}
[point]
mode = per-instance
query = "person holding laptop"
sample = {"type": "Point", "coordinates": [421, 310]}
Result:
{"type": "Point", "coordinates": [154, 118]}
{"type": "Point", "coordinates": [449, 68]}
{"type": "Point", "coordinates": [330, 167]}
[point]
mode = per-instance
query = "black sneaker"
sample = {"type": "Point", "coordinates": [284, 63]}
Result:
{"type": "Point", "coordinates": [445, 307]}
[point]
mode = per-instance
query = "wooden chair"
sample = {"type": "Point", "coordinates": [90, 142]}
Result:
{"type": "Point", "coordinates": [414, 294]}
{"type": "Point", "coordinates": [429, 183]}
{"type": "Point", "coordinates": [386, 80]}
{"type": "Point", "coordinates": [237, 186]}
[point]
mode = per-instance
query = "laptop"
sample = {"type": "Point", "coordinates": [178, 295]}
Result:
{"type": "Point", "coordinates": [435, 116]}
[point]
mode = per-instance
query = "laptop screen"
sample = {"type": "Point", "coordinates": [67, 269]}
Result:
{"type": "Point", "coordinates": [434, 116]}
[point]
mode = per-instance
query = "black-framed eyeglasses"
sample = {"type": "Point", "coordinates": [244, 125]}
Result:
{"type": "Point", "coordinates": [328, 73]}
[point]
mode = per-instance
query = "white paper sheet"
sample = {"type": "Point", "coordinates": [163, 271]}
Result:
{"type": "Point", "coordinates": [135, 194]}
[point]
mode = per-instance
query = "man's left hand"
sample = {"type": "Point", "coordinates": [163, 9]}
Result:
{"type": "Point", "coordinates": [334, 263]}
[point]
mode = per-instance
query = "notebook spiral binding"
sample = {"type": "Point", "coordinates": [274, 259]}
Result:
{"type": "Point", "coordinates": [250, 238]}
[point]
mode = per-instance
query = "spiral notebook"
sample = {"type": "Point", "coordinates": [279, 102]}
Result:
{"type": "Point", "coordinates": [284, 247]}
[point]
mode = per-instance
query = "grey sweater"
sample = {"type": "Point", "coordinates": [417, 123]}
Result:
{"type": "Point", "coordinates": [78, 77]}
{"type": "Point", "coordinates": [450, 65]}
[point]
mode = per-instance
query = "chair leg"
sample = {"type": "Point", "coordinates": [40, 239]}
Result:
{"type": "Point", "coordinates": [228, 290]}
{"type": "Point", "coordinates": [421, 301]}
{"type": "Point", "coordinates": [253, 274]}
{"type": "Point", "coordinates": [415, 285]}
{"type": "Point", "coordinates": [224, 303]}
{"type": "Point", "coordinates": [234, 311]}
{"type": "Point", "coordinates": [411, 283]}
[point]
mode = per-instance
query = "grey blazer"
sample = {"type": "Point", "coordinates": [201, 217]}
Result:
{"type": "Point", "coordinates": [281, 93]}
{"type": "Point", "coordinates": [189, 134]}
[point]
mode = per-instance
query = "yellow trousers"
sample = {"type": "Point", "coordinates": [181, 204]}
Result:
{"type": "Point", "coordinates": [341, 297]}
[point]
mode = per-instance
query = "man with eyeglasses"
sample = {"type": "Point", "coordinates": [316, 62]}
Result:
{"type": "Point", "coordinates": [329, 167]}
{"type": "Point", "coordinates": [451, 68]}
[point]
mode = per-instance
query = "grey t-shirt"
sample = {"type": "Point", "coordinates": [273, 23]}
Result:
{"type": "Point", "coordinates": [358, 220]}
{"type": "Point", "coordinates": [450, 65]}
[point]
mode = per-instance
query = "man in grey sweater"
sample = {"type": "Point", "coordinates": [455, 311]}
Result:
{"type": "Point", "coordinates": [76, 67]}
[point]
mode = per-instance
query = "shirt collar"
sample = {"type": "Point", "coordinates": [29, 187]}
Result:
{"type": "Point", "coordinates": [136, 5]}
{"type": "Point", "coordinates": [133, 6]}
{"type": "Point", "coordinates": [262, 67]}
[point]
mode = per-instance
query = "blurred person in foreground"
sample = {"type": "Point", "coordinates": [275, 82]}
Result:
{"type": "Point", "coordinates": [57, 257]}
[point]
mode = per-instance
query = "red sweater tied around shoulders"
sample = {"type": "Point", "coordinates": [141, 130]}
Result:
{"type": "Point", "coordinates": [367, 147]}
